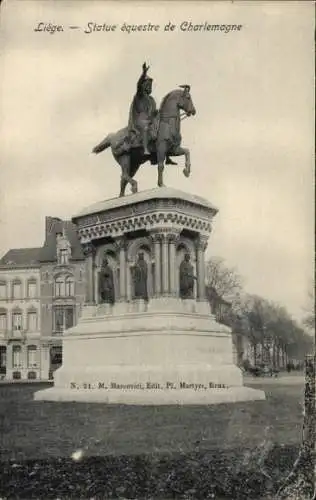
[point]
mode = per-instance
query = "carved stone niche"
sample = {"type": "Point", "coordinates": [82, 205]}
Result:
{"type": "Point", "coordinates": [111, 253]}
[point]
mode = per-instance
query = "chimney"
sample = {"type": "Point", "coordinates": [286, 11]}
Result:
{"type": "Point", "coordinates": [50, 225]}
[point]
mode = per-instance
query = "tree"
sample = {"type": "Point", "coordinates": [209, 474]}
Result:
{"type": "Point", "coordinates": [309, 320]}
{"type": "Point", "coordinates": [225, 280]}
{"type": "Point", "coordinates": [222, 287]}
{"type": "Point", "coordinates": [258, 314]}
{"type": "Point", "coordinates": [278, 333]}
{"type": "Point", "coordinates": [273, 334]}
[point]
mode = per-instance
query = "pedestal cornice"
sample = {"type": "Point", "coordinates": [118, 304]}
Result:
{"type": "Point", "coordinates": [166, 195]}
{"type": "Point", "coordinates": [154, 215]}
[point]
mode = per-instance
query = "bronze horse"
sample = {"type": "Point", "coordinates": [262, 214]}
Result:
{"type": "Point", "coordinates": [165, 140]}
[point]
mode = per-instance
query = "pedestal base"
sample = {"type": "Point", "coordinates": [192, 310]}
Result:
{"type": "Point", "coordinates": [162, 353]}
{"type": "Point", "coordinates": [152, 397]}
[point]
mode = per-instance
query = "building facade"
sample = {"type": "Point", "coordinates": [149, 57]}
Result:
{"type": "Point", "coordinates": [20, 315]}
{"type": "Point", "coordinates": [41, 295]}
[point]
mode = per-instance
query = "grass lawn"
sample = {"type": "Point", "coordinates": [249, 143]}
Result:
{"type": "Point", "coordinates": [218, 447]}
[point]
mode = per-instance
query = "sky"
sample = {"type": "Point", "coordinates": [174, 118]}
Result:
{"type": "Point", "coordinates": [251, 141]}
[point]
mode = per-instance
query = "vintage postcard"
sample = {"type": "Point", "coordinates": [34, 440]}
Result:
{"type": "Point", "coordinates": [157, 312]}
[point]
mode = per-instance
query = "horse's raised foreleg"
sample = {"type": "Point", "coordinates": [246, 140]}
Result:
{"type": "Point", "coordinates": [186, 152]}
{"type": "Point", "coordinates": [161, 155]}
{"type": "Point", "coordinates": [180, 151]}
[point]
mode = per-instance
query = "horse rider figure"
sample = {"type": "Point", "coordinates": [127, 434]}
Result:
{"type": "Point", "coordinates": [143, 116]}
{"type": "Point", "coordinates": [143, 108]}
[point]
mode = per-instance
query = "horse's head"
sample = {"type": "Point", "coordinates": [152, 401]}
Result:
{"type": "Point", "coordinates": [176, 100]}
{"type": "Point", "coordinates": [185, 101]}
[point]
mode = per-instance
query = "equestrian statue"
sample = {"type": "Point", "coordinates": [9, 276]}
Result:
{"type": "Point", "coordinates": [151, 135]}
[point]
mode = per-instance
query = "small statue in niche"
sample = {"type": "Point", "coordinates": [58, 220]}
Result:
{"type": "Point", "coordinates": [140, 273]}
{"type": "Point", "coordinates": [187, 278]}
{"type": "Point", "coordinates": [106, 283]}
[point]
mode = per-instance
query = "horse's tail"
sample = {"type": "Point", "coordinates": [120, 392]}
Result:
{"type": "Point", "coordinates": [106, 143]}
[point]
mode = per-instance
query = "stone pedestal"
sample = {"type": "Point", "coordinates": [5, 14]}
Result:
{"type": "Point", "coordinates": [162, 351]}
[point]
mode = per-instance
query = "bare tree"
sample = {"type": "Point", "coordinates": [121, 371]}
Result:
{"type": "Point", "coordinates": [224, 280]}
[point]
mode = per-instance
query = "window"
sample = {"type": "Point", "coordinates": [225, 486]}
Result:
{"type": "Point", "coordinates": [64, 287]}
{"type": "Point", "coordinates": [17, 321]}
{"type": "Point", "coordinates": [56, 356]}
{"type": "Point", "coordinates": [32, 321]}
{"type": "Point", "coordinates": [3, 321]}
{"type": "Point", "coordinates": [59, 287]}
{"type": "Point", "coordinates": [70, 287]}
{"type": "Point", "coordinates": [3, 290]}
{"type": "Point", "coordinates": [17, 356]}
{"type": "Point", "coordinates": [63, 318]}
{"type": "Point", "coordinates": [3, 356]}
{"type": "Point", "coordinates": [31, 356]}
{"type": "Point", "coordinates": [58, 319]}
{"type": "Point", "coordinates": [17, 290]}
{"type": "Point", "coordinates": [31, 289]}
